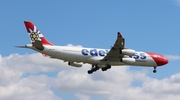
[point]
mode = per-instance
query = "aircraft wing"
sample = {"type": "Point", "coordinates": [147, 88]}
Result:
{"type": "Point", "coordinates": [114, 53]}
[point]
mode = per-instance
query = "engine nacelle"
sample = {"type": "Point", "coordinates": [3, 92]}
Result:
{"type": "Point", "coordinates": [129, 52]}
{"type": "Point", "coordinates": [75, 64]}
{"type": "Point", "coordinates": [128, 61]}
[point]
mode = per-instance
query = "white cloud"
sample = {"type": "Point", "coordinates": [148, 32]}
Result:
{"type": "Point", "coordinates": [14, 86]}
{"type": "Point", "coordinates": [32, 63]}
{"type": "Point", "coordinates": [82, 96]}
{"type": "Point", "coordinates": [172, 57]}
{"type": "Point", "coordinates": [114, 84]}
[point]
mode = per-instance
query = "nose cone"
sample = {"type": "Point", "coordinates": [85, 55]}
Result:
{"type": "Point", "coordinates": [159, 59]}
{"type": "Point", "coordinates": [162, 61]}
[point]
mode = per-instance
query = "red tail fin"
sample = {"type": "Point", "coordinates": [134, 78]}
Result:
{"type": "Point", "coordinates": [35, 34]}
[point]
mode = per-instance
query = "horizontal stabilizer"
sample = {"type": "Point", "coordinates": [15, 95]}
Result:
{"type": "Point", "coordinates": [21, 46]}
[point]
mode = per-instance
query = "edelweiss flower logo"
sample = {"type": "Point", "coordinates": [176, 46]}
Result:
{"type": "Point", "coordinates": [34, 34]}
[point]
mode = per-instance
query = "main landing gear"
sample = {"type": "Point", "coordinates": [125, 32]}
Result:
{"type": "Point", "coordinates": [93, 69]}
{"type": "Point", "coordinates": [106, 68]}
{"type": "Point", "coordinates": [154, 71]}
{"type": "Point", "coordinates": [96, 67]}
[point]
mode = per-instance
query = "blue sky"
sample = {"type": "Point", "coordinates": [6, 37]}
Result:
{"type": "Point", "coordinates": [146, 25]}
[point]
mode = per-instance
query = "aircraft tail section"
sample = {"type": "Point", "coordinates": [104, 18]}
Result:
{"type": "Point", "coordinates": [35, 35]}
{"type": "Point", "coordinates": [38, 45]}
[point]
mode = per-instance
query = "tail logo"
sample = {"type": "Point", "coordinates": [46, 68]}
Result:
{"type": "Point", "coordinates": [34, 36]}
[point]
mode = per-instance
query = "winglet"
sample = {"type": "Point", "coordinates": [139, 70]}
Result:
{"type": "Point", "coordinates": [119, 35]}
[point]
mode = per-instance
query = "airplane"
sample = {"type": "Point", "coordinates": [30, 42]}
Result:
{"type": "Point", "coordinates": [102, 59]}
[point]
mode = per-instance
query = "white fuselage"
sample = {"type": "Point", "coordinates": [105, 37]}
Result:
{"type": "Point", "coordinates": [92, 56]}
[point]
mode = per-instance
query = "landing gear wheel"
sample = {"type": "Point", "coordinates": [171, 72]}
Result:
{"type": "Point", "coordinates": [154, 71]}
{"type": "Point", "coordinates": [93, 69]}
{"type": "Point", "coordinates": [107, 67]}
{"type": "Point", "coordinates": [90, 71]}
{"type": "Point", "coordinates": [96, 67]}
{"type": "Point", "coordinates": [104, 69]}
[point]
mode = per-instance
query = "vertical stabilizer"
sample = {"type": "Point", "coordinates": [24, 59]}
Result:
{"type": "Point", "coordinates": [35, 34]}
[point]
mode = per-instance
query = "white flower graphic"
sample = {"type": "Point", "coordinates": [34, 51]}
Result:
{"type": "Point", "coordinates": [35, 34]}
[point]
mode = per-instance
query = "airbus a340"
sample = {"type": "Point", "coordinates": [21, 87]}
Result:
{"type": "Point", "coordinates": [102, 59]}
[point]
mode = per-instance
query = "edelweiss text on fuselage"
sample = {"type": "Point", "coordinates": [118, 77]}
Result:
{"type": "Point", "coordinates": [94, 52]}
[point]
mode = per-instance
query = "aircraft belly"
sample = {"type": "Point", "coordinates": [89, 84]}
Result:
{"type": "Point", "coordinates": [117, 63]}
{"type": "Point", "coordinates": [93, 60]}
{"type": "Point", "coordinates": [70, 57]}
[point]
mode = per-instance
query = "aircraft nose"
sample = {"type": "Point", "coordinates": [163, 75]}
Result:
{"type": "Point", "coordinates": [162, 61]}
{"type": "Point", "coordinates": [159, 59]}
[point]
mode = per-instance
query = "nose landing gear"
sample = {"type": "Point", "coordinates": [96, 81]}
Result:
{"type": "Point", "coordinates": [154, 71]}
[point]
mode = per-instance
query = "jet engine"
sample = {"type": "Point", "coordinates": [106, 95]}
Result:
{"type": "Point", "coordinates": [74, 64]}
{"type": "Point", "coordinates": [129, 52]}
{"type": "Point", "coordinates": [128, 61]}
